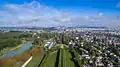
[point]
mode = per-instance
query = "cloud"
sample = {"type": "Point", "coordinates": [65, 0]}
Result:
{"type": "Point", "coordinates": [31, 14]}
{"type": "Point", "coordinates": [100, 14]}
{"type": "Point", "coordinates": [35, 14]}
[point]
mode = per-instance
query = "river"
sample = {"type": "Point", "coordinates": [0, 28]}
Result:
{"type": "Point", "coordinates": [17, 51]}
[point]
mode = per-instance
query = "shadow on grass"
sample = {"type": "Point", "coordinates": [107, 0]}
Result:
{"type": "Point", "coordinates": [75, 62]}
{"type": "Point", "coordinates": [42, 60]}
{"type": "Point", "coordinates": [57, 58]}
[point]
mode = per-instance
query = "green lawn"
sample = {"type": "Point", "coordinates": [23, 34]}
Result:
{"type": "Point", "coordinates": [51, 60]}
{"type": "Point", "coordinates": [61, 58]}
{"type": "Point", "coordinates": [67, 59]}
{"type": "Point", "coordinates": [36, 60]}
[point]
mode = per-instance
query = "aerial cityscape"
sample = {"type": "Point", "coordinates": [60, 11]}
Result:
{"type": "Point", "coordinates": [60, 33]}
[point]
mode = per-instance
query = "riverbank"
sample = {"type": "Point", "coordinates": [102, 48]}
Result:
{"type": "Point", "coordinates": [14, 61]}
{"type": "Point", "coordinates": [8, 49]}
{"type": "Point", "coordinates": [37, 57]}
{"type": "Point", "coordinates": [20, 59]}
{"type": "Point", "coordinates": [17, 50]}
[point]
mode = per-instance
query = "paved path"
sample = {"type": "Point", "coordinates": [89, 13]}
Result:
{"type": "Point", "coordinates": [27, 62]}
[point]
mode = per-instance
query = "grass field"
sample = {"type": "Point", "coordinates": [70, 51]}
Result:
{"type": "Point", "coordinates": [51, 60]}
{"type": "Point", "coordinates": [61, 58]}
{"type": "Point", "coordinates": [67, 59]}
{"type": "Point", "coordinates": [36, 58]}
{"type": "Point", "coordinates": [35, 61]}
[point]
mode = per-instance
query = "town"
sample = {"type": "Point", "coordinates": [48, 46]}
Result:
{"type": "Point", "coordinates": [74, 47]}
{"type": "Point", "coordinates": [59, 33]}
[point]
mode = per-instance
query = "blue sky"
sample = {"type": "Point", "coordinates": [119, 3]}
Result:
{"type": "Point", "coordinates": [108, 6]}
{"type": "Point", "coordinates": [75, 12]}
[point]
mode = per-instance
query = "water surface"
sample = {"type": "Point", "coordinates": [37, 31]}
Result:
{"type": "Point", "coordinates": [17, 51]}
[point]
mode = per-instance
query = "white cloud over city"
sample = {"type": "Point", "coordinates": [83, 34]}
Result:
{"type": "Point", "coordinates": [35, 14]}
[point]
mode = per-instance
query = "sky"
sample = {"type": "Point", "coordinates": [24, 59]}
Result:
{"type": "Point", "coordinates": [45, 13]}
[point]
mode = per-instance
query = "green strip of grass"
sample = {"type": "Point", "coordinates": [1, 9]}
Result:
{"type": "Point", "coordinates": [51, 60]}
{"type": "Point", "coordinates": [61, 58]}
{"type": "Point", "coordinates": [36, 60]}
{"type": "Point", "coordinates": [67, 59]}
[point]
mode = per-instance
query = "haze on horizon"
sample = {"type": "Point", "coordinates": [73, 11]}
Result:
{"type": "Point", "coordinates": [45, 13]}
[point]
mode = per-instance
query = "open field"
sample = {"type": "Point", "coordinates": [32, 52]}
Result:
{"type": "Point", "coordinates": [67, 56]}
{"type": "Point", "coordinates": [35, 61]}
{"type": "Point", "coordinates": [58, 58]}
{"type": "Point", "coordinates": [51, 60]}
{"type": "Point", "coordinates": [36, 58]}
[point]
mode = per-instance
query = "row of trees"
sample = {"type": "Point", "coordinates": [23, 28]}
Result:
{"type": "Point", "coordinates": [80, 62]}
{"type": "Point", "coordinates": [63, 38]}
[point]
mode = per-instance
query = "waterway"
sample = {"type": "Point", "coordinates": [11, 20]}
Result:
{"type": "Point", "coordinates": [17, 51]}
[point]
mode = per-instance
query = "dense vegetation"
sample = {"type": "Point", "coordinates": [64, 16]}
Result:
{"type": "Point", "coordinates": [12, 39]}
{"type": "Point", "coordinates": [9, 40]}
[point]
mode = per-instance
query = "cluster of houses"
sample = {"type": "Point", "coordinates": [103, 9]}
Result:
{"type": "Point", "coordinates": [49, 44]}
{"type": "Point", "coordinates": [104, 44]}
